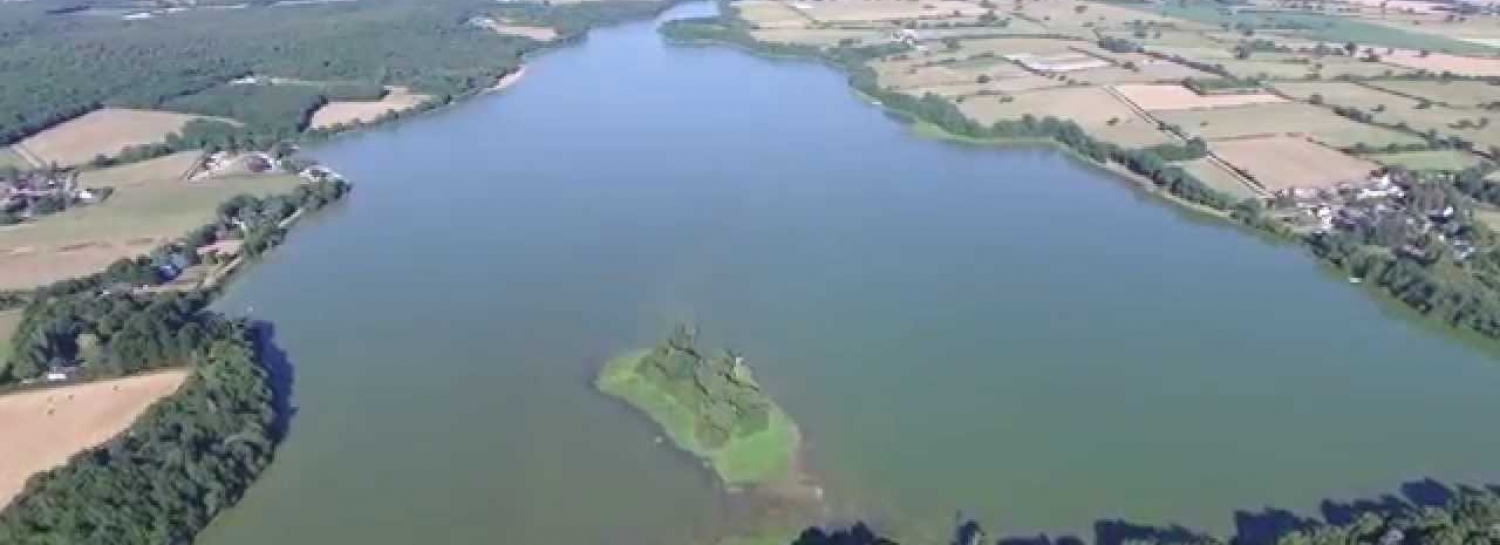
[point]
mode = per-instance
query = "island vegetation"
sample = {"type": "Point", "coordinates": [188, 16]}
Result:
{"type": "Point", "coordinates": [708, 405]}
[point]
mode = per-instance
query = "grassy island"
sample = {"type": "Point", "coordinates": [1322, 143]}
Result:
{"type": "Point", "coordinates": [710, 406]}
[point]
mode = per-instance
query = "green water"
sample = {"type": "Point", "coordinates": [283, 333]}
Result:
{"type": "Point", "coordinates": [1002, 333]}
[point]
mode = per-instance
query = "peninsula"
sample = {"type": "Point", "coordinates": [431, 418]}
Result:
{"type": "Point", "coordinates": [709, 406]}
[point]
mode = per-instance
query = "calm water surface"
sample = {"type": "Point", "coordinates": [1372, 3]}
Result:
{"type": "Point", "coordinates": [1006, 334]}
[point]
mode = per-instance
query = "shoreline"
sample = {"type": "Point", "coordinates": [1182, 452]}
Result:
{"type": "Point", "coordinates": [506, 81]}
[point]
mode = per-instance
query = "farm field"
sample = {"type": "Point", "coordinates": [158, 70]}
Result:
{"type": "Point", "coordinates": [10, 158]}
{"type": "Point", "coordinates": [171, 167]}
{"type": "Point", "coordinates": [1081, 19]}
{"type": "Point", "coordinates": [820, 36]}
{"type": "Point", "coordinates": [1317, 27]}
{"type": "Point", "coordinates": [1283, 119]}
{"type": "Point", "coordinates": [1282, 162]}
{"type": "Point", "coordinates": [925, 73]}
{"type": "Point", "coordinates": [1391, 109]}
{"type": "Point", "coordinates": [144, 212]}
{"type": "Point", "coordinates": [510, 29]}
{"type": "Point", "coordinates": [1177, 97]}
{"type": "Point", "coordinates": [1454, 94]}
{"type": "Point", "coordinates": [770, 14]}
{"type": "Point", "coordinates": [9, 319]}
{"type": "Point", "coordinates": [1216, 176]}
{"type": "Point", "coordinates": [1439, 62]}
{"type": "Point", "coordinates": [1428, 159]}
{"type": "Point", "coordinates": [105, 132]}
{"type": "Point", "coordinates": [847, 11]}
{"type": "Point", "coordinates": [1091, 107]}
{"type": "Point", "coordinates": [338, 113]}
{"type": "Point", "coordinates": [43, 428]}
{"type": "Point", "coordinates": [1293, 67]}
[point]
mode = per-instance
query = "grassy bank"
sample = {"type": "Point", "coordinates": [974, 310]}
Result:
{"type": "Point", "coordinates": [742, 459]}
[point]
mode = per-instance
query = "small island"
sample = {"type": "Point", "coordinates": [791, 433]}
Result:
{"type": "Point", "coordinates": [709, 406]}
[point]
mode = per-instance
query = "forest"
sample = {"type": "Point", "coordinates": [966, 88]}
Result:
{"type": "Point", "coordinates": [190, 456]}
{"type": "Point", "coordinates": [61, 65]}
{"type": "Point", "coordinates": [942, 113]}
{"type": "Point", "coordinates": [1431, 514]}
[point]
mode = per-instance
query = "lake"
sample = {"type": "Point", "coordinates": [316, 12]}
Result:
{"type": "Point", "coordinates": [1004, 334]}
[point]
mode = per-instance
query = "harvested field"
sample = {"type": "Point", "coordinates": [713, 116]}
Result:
{"type": "Point", "coordinates": [819, 36]}
{"type": "Point", "coordinates": [107, 131]}
{"type": "Point", "coordinates": [846, 11]}
{"type": "Point", "coordinates": [1454, 94]}
{"type": "Point", "coordinates": [41, 429]}
{"type": "Point", "coordinates": [1289, 118]}
{"type": "Point", "coordinates": [1091, 107]}
{"type": "Point", "coordinates": [1177, 97]}
{"type": "Point", "coordinates": [770, 14]}
{"type": "Point", "coordinates": [1281, 162]}
{"type": "Point", "coordinates": [143, 213]}
{"type": "Point", "coordinates": [1218, 177]}
{"type": "Point", "coordinates": [1443, 62]}
{"type": "Point", "coordinates": [1428, 160]}
{"type": "Point", "coordinates": [334, 114]}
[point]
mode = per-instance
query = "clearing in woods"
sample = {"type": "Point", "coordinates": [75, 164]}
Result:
{"type": "Point", "coordinates": [43, 428]}
{"type": "Point", "coordinates": [351, 112]}
{"type": "Point", "coordinates": [104, 132]}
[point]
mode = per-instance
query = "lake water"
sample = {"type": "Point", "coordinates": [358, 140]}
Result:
{"type": "Point", "coordinates": [1006, 334]}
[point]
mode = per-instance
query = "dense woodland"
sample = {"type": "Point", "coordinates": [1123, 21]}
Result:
{"type": "Point", "coordinates": [1431, 514]}
{"type": "Point", "coordinates": [61, 65]}
{"type": "Point", "coordinates": [189, 457]}
{"type": "Point", "coordinates": [941, 112]}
